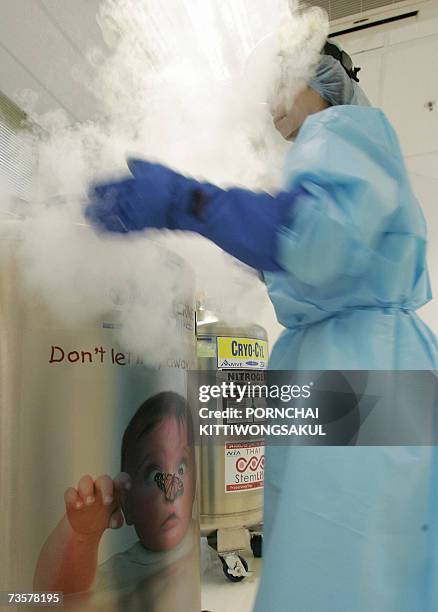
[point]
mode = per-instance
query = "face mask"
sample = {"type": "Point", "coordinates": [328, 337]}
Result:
{"type": "Point", "coordinates": [306, 103]}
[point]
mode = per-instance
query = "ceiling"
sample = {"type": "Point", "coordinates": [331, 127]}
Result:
{"type": "Point", "coordinates": [43, 43]}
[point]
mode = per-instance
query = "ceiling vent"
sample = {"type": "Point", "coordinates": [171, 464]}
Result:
{"type": "Point", "coordinates": [351, 15]}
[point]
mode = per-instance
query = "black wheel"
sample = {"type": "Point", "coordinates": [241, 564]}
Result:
{"type": "Point", "coordinates": [257, 545]}
{"type": "Point", "coordinates": [229, 576]}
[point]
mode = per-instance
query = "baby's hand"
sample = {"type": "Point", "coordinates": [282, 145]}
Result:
{"type": "Point", "coordinates": [95, 505]}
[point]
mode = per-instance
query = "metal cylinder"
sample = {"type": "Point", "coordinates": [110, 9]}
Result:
{"type": "Point", "coordinates": [67, 397]}
{"type": "Point", "coordinates": [230, 496]}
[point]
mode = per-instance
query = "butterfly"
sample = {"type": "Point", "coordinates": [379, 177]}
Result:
{"type": "Point", "coordinates": [171, 485]}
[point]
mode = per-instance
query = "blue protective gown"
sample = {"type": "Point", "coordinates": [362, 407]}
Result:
{"type": "Point", "coordinates": [351, 529]}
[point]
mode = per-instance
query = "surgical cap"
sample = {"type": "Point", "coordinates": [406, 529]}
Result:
{"type": "Point", "coordinates": [334, 85]}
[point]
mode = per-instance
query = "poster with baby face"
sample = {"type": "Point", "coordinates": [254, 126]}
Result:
{"type": "Point", "coordinates": [104, 484]}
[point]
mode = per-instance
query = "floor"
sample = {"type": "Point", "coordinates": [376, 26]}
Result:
{"type": "Point", "coordinates": [221, 595]}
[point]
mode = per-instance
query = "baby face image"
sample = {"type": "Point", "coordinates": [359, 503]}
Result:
{"type": "Point", "coordinates": [159, 502]}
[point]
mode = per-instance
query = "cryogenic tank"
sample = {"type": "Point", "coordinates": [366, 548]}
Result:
{"type": "Point", "coordinates": [71, 404]}
{"type": "Point", "coordinates": [231, 468]}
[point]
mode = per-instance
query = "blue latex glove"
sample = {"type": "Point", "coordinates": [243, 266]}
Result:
{"type": "Point", "coordinates": [243, 223]}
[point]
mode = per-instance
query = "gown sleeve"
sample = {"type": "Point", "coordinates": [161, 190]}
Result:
{"type": "Point", "coordinates": [349, 190]}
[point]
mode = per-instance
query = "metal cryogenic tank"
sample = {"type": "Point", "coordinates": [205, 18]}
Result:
{"type": "Point", "coordinates": [231, 496]}
{"type": "Point", "coordinates": [68, 395]}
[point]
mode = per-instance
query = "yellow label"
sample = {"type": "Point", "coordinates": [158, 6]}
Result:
{"type": "Point", "coordinates": [241, 352]}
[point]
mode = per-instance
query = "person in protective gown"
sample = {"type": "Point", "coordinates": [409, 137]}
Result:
{"type": "Point", "coordinates": [343, 253]}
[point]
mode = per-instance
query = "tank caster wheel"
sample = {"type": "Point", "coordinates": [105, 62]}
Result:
{"type": "Point", "coordinates": [235, 567]}
{"type": "Point", "coordinates": [257, 545]}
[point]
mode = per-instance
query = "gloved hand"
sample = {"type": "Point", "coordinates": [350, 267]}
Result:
{"type": "Point", "coordinates": [241, 222]}
{"type": "Point", "coordinates": [146, 200]}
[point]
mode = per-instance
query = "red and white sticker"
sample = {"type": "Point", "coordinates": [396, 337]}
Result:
{"type": "Point", "coordinates": [244, 466]}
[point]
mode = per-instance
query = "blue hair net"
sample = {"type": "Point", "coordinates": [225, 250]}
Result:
{"type": "Point", "coordinates": [334, 85]}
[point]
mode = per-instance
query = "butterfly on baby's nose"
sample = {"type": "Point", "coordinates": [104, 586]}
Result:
{"type": "Point", "coordinates": [171, 485]}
